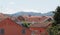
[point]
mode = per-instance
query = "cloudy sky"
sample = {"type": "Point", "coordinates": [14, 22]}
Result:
{"type": "Point", "coordinates": [39, 6]}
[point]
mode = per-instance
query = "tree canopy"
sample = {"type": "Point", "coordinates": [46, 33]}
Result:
{"type": "Point", "coordinates": [57, 16]}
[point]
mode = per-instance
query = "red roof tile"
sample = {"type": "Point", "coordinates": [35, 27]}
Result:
{"type": "Point", "coordinates": [40, 24]}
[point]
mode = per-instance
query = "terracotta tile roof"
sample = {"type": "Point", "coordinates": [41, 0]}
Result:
{"type": "Point", "coordinates": [9, 20]}
{"type": "Point", "coordinates": [3, 16]}
{"type": "Point", "coordinates": [40, 21]}
{"type": "Point", "coordinates": [36, 19]}
{"type": "Point", "coordinates": [40, 24]}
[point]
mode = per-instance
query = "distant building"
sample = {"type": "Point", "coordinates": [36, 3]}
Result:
{"type": "Point", "coordinates": [38, 26]}
{"type": "Point", "coordinates": [8, 27]}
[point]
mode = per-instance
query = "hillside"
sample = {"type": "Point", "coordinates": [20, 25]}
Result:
{"type": "Point", "coordinates": [32, 14]}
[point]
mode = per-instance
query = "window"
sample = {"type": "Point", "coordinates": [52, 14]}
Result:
{"type": "Point", "coordinates": [23, 31]}
{"type": "Point", "coordinates": [1, 31]}
{"type": "Point", "coordinates": [33, 33]}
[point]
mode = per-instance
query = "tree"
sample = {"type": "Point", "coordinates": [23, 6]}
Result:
{"type": "Point", "coordinates": [57, 16]}
{"type": "Point", "coordinates": [25, 24]}
{"type": "Point", "coordinates": [56, 23]}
